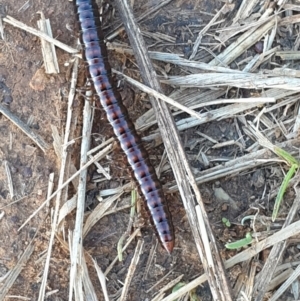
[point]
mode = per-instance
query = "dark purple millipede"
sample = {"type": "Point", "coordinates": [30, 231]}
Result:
{"type": "Point", "coordinates": [99, 70]}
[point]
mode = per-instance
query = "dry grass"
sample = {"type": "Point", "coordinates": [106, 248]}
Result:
{"type": "Point", "coordinates": [272, 108]}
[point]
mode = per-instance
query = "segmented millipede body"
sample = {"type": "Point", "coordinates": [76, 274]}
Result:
{"type": "Point", "coordinates": [99, 71]}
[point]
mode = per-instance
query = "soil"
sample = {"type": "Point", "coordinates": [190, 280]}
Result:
{"type": "Point", "coordinates": [40, 100]}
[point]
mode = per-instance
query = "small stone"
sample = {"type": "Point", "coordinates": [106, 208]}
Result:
{"type": "Point", "coordinates": [27, 172]}
{"type": "Point", "coordinates": [259, 47]}
{"type": "Point", "coordinates": [38, 81]}
{"type": "Point", "coordinates": [29, 150]}
{"type": "Point", "coordinates": [224, 207]}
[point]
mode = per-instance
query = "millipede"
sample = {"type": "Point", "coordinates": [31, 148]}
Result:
{"type": "Point", "coordinates": [99, 72]}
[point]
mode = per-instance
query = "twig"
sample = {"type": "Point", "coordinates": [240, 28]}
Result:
{"type": "Point", "coordinates": [48, 49]}
{"type": "Point", "coordinates": [150, 12]}
{"type": "Point", "coordinates": [77, 234]}
{"type": "Point", "coordinates": [9, 180]}
{"type": "Point", "coordinates": [130, 238]}
{"type": "Point", "coordinates": [24, 128]}
{"type": "Point", "coordinates": [102, 280]}
{"type": "Point", "coordinates": [40, 34]}
{"type": "Point", "coordinates": [150, 260]}
{"type": "Point", "coordinates": [132, 268]}
{"type": "Point", "coordinates": [159, 95]}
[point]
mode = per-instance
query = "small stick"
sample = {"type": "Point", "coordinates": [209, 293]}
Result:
{"type": "Point", "coordinates": [159, 95]}
{"type": "Point", "coordinates": [76, 257]}
{"type": "Point", "coordinates": [48, 49]}
{"type": "Point", "coordinates": [150, 12]}
{"type": "Point", "coordinates": [160, 281]}
{"type": "Point", "coordinates": [10, 20]}
{"type": "Point", "coordinates": [102, 280]}
{"type": "Point", "coordinates": [24, 128]}
{"type": "Point", "coordinates": [9, 180]}
{"type": "Point", "coordinates": [132, 236]}
{"type": "Point", "coordinates": [149, 261]}
{"type": "Point", "coordinates": [132, 268]}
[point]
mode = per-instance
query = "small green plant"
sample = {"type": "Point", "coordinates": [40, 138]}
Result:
{"type": "Point", "coordinates": [294, 163]}
{"type": "Point", "coordinates": [226, 222]}
{"type": "Point", "coordinates": [240, 243]}
{"type": "Point", "coordinates": [177, 286]}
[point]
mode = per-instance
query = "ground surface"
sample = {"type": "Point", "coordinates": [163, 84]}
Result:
{"type": "Point", "coordinates": [40, 100]}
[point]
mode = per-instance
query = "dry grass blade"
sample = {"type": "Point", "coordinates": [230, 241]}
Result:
{"type": "Point", "coordinates": [66, 209]}
{"type": "Point", "coordinates": [48, 49]}
{"type": "Point", "coordinates": [240, 80]}
{"type": "Point", "coordinates": [170, 285]}
{"type": "Point", "coordinates": [161, 280]}
{"type": "Point", "coordinates": [87, 283]}
{"type": "Point", "coordinates": [286, 284]}
{"type": "Point", "coordinates": [129, 240]}
{"type": "Point", "coordinates": [99, 212]}
{"type": "Point", "coordinates": [217, 114]}
{"type": "Point", "coordinates": [149, 12]}
{"type": "Point", "coordinates": [175, 59]}
{"type": "Point", "coordinates": [58, 147]}
{"type": "Point", "coordinates": [9, 180]}
{"type": "Point", "coordinates": [15, 272]}
{"type": "Point", "coordinates": [192, 99]}
{"type": "Point", "coordinates": [76, 250]}
{"type": "Point", "coordinates": [102, 280]}
{"type": "Point", "coordinates": [159, 95]}
{"type": "Point", "coordinates": [276, 281]}
{"type": "Point", "coordinates": [132, 268]}
{"type": "Point", "coordinates": [150, 259]}
{"type": "Point", "coordinates": [244, 42]}
{"type": "Point", "coordinates": [39, 141]}
{"type": "Point", "coordinates": [40, 34]}
{"type": "Point", "coordinates": [245, 10]}
{"type": "Point", "coordinates": [242, 163]}
{"type": "Point", "coordinates": [204, 30]}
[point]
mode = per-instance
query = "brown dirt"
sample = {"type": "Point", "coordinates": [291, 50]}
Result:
{"type": "Point", "coordinates": [41, 98]}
